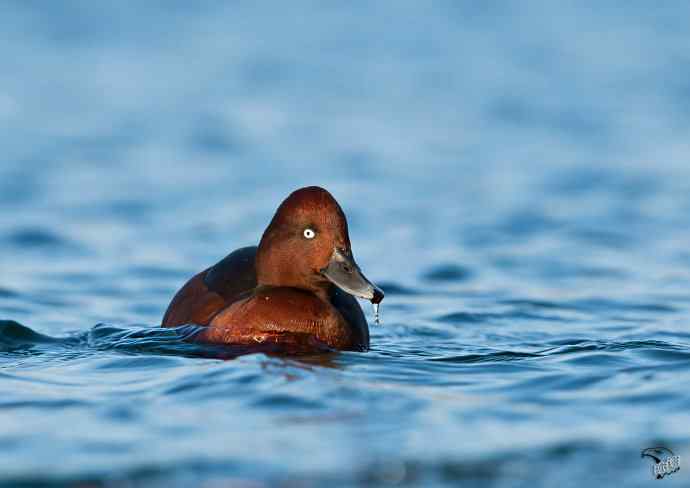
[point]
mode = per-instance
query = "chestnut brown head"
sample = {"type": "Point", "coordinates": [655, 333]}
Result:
{"type": "Point", "coordinates": [307, 246]}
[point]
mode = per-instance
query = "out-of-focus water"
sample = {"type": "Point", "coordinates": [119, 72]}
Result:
{"type": "Point", "coordinates": [517, 179]}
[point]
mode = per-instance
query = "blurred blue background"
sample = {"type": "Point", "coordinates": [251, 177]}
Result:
{"type": "Point", "coordinates": [516, 177]}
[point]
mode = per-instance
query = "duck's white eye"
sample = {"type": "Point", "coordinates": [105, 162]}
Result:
{"type": "Point", "coordinates": [309, 234]}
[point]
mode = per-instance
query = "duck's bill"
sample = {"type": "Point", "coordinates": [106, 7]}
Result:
{"type": "Point", "coordinates": [344, 273]}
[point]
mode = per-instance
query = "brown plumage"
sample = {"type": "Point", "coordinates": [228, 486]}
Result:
{"type": "Point", "coordinates": [285, 290]}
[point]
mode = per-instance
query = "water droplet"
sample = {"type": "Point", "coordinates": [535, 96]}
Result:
{"type": "Point", "coordinates": [376, 313]}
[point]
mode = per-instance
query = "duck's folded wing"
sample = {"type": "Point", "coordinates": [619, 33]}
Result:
{"type": "Point", "coordinates": [214, 289]}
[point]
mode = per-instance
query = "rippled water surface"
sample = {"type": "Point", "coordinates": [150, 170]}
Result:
{"type": "Point", "coordinates": [516, 177]}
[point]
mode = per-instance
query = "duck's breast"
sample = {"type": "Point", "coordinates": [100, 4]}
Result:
{"type": "Point", "coordinates": [272, 313]}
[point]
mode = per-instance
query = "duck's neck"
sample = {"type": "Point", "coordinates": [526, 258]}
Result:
{"type": "Point", "coordinates": [323, 292]}
{"type": "Point", "coordinates": [273, 269]}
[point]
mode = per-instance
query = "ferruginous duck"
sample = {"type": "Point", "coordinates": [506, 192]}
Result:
{"type": "Point", "coordinates": [298, 285]}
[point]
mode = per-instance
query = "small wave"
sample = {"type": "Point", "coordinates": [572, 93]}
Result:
{"type": "Point", "coordinates": [517, 302]}
{"type": "Point", "coordinates": [480, 317]}
{"type": "Point", "coordinates": [391, 288]}
{"type": "Point", "coordinates": [39, 238]}
{"type": "Point", "coordinates": [448, 273]}
{"type": "Point", "coordinates": [656, 348]}
{"type": "Point", "coordinates": [591, 346]}
{"type": "Point", "coordinates": [608, 305]}
{"type": "Point", "coordinates": [464, 317]}
{"type": "Point", "coordinates": [490, 357]}
{"type": "Point", "coordinates": [176, 341]}
{"type": "Point", "coordinates": [14, 335]}
{"type": "Point", "coordinates": [7, 293]}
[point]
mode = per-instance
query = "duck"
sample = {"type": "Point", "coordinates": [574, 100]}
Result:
{"type": "Point", "coordinates": [299, 285]}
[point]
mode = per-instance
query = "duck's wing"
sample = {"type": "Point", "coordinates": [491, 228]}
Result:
{"type": "Point", "coordinates": [234, 275]}
{"type": "Point", "coordinates": [212, 290]}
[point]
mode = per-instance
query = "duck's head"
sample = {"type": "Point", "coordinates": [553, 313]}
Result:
{"type": "Point", "coordinates": [307, 246]}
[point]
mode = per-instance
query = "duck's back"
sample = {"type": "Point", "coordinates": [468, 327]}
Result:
{"type": "Point", "coordinates": [214, 289]}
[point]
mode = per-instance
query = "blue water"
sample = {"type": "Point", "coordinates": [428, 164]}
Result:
{"type": "Point", "coordinates": [516, 177]}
